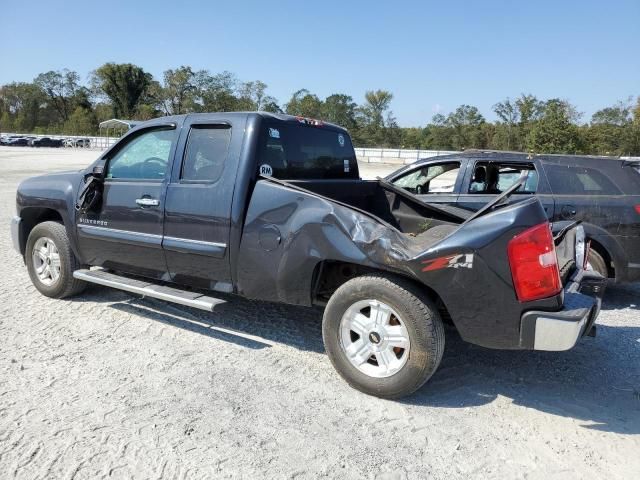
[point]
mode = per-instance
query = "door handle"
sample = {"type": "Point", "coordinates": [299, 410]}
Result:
{"type": "Point", "coordinates": [147, 202]}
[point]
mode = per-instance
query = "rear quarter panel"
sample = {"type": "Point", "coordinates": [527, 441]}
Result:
{"type": "Point", "coordinates": [478, 290]}
{"type": "Point", "coordinates": [288, 232]}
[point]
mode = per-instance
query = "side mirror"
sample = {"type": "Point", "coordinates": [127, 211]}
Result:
{"type": "Point", "coordinates": [98, 172]}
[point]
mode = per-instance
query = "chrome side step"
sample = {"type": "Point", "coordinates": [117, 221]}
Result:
{"type": "Point", "coordinates": [148, 289]}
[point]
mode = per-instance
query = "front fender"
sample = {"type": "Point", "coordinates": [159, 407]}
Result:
{"type": "Point", "coordinates": [37, 196]}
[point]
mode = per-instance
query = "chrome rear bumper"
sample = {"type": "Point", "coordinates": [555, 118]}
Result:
{"type": "Point", "coordinates": [558, 331]}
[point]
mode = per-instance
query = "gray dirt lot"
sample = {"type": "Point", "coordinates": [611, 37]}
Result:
{"type": "Point", "coordinates": [110, 385]}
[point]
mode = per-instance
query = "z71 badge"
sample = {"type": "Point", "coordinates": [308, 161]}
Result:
{"type": "Point", "coordinates": [461, 260]}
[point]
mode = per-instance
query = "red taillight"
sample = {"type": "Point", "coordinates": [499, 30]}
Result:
{"type": "Point", "coordinates": [533, 262]}
{"type": "Point", "coordinates": [637, 207]}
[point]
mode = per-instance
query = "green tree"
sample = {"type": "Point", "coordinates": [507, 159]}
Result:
{"type": "Point", "coordinates": [529, 110]}
{"type": "Point", "coordinates": [507, 131]}
{"type": "Point", "coordinates": [378, 127]}
{"type": "Point", "coordinates": [123, 84]}
{"type": "Point", "coordinates": [555, 132]}
{"type": "Point", "coordinates": [102, 112]}
{"type": "Point", "coordinates": [414, 138]}
{"type": "Point", "coordinates": [252, 96]}
{"type": "Point", "coordinates": [466, 123]}
{"type": "Point", "coordinates": [22, 107]}
{"type": "Point", "coordinates": [339, 109]}
{"type": "Point", "coordinates": [81, 122]}
{"type": "Point", "coordinates": [632, 144]}
{"type": "Point", "coordinates": [178, 91]}
{"type": "Point", "coordinates": [610, 130]}
{"type": "Point", "coordinates": [304, 104]}
{"type": "Point", "coordinates": [217, 92]}
{"type": "Point", "coordinates": [440, 135]}
{"type": "Point", "coordinates": [60, 88]}
{"type": "Point", "coordinates": [270, 104]}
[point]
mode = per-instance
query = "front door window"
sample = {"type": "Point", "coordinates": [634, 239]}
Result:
{"type": "Point", "coordinates": [439, 178]}
{"type": "Point", "coordinates": [146, 157]}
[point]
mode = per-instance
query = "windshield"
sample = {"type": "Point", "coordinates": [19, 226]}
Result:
{"type": "Point", "coordinates": [305, 152]}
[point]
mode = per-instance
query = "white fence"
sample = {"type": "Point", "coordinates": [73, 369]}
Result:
{"type": "Point", "coordinates": [100, 143]}
{"type": "Point", "coordinates": [396, 155]}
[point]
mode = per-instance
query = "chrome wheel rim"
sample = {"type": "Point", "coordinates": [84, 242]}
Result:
{"type": "Point", "coordinates": [46, 261]}
{"type": "Point", "coordinates": [374, 338]}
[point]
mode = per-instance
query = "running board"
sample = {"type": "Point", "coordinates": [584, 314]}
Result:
{"type": "Point", "coordinates": [148, 289]}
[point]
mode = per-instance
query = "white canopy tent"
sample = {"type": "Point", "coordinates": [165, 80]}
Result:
{"type": "Point", "coordinates": [111, 130]}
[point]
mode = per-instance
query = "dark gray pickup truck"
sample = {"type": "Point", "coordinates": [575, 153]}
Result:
{"type": "Point", "coordinates": [272, 207]}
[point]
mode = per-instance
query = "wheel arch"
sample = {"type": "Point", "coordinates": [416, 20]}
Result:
{"type": "Point", "coordinates": [329, 275]}
{"type": "Point", "coordinates": [605, 244]}
{"type": "Point", "coordinates": [32, 216]}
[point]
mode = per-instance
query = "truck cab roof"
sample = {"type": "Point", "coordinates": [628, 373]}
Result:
{"type": "Point", "coordinates": [218, 116]}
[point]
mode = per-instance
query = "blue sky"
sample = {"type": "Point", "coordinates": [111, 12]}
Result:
{"type": "Point", "coordinates": [433, 55]}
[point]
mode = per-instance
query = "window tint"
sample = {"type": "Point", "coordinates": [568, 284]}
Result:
{"type": "Point", "coordinates": [146, 157]}
{"type": "Point", "coordinates": [574, 180]}
{"type": "Point", "coordinates": [493, 178]}
{"type": "Point", "coordinates": [440, 178]}
{"type": "Point", "coordinates": [205, 153]}
{"type": "Point", "coordinates": [290, 151]}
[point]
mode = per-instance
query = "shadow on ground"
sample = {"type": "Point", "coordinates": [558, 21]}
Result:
{"type": "Point", "coordinates": [233, 321]}
{"type": "Point", "coordinates": [594, 382]}
{"type": "Point", "coordinates": [622, 296]}
{"type": "Point", "coordinates": [597, 382]}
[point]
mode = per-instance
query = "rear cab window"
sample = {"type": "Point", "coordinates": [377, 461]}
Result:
{"type": "Point", "coordinates": [291, 151]}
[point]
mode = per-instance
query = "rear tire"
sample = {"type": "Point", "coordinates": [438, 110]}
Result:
{"type": "Point", "coordinates": [598, 263]}
{"type": "Point", "coordinates": [51, 261]}
{"type": "Point", "coordinates": [383, 335]}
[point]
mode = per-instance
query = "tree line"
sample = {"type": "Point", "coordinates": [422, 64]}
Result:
{"type": "Point", "coordinates": [59, 102]}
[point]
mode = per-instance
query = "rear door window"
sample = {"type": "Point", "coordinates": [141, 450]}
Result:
{"type": "Point", "coordinates": [205, 154]}
{"type": "Point", "coordinates": [494, 177]}
{"type": "Point", "coordinates": [575, 180]}
{"type": "Point", "coordinates": [290, 151]}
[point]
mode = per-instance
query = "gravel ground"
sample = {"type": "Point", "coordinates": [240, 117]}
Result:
{"type": "Point", "coordinates": [110, 385]}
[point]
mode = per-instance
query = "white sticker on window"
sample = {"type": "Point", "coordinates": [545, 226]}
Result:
{"type": "Point", "coordinates": [274, 133]}
{"type": "Point", "coordinates": [266, 170]}
{"type": "Point", "coordinates": [346, 166]}
{"type": "Point", "coordinates": [341, 140]}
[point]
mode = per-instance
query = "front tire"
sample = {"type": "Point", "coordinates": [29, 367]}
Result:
{"type": "Point", "coordinates": [51, 261]}
{"type": "Point", "coordinates": [383, 335]}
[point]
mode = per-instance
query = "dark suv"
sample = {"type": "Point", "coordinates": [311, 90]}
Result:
{"type": "Point", "coordinates": [602, 192]}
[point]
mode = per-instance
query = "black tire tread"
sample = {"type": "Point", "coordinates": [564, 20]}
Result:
{"type": "Point", "coordinates": [432, 335]}
{"type": "Point", "coordinates": [71, 286]}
